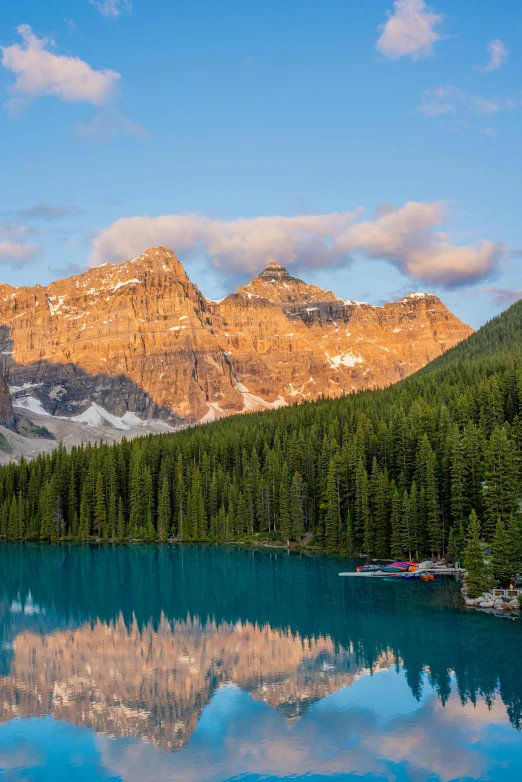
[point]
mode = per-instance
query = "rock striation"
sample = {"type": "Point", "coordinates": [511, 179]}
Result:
{"type": "Point", "coordinates": [133, 341]}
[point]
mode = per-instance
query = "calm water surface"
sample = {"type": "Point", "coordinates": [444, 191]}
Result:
{"type": "Point", "coordinates": [216, 663]}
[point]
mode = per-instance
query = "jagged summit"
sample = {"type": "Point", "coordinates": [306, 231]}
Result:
{"type": "Point", "coordinates": [276, 284]}
{"type": "Point", "coordinates": [274, 272]}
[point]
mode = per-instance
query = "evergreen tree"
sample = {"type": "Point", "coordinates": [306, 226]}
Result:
{"type": "Point", "coordinates": [121, 520]}
{"type": "Point", "coordinates": [459, 482]}
{"type": "Point", "coordinates": [364, 530]}
{"type": "Point", "coordinates": [84, 530]}
{"type": "Point", "coordinates": [164, 511]}
{"type": "Point", "coordinates": [396, 540]}
{"type": "Point", "coordinates": [100, 516]}
{"type": "Point", "coordinates": [501, 490]}
{"type": "Point", "coordinates": [478, 578]}
{"type": "Point", "coordinates": [332, 512]}
{"type": "Point", "coordinates": [297, 507]}
{"type": "Point", "coordinates": [285, 522]}
{"type": "Point", "coordinates": [503, 557]}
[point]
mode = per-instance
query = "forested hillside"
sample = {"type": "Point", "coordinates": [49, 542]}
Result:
{"type": "Point", "coordinates": [501, 336]}
{"type": "Point", "coordinates": [392, 472]}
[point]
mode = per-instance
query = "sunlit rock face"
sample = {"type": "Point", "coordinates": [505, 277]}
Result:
{"type": "Point", "coordinates": [154, 684]}
{"type": "Point", "coordinates": [139, 339]}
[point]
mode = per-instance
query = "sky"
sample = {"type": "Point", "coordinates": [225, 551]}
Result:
{"type": "Point", "coordinates": [371, 146]}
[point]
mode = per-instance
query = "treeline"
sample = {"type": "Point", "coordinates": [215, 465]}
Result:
{"type": "Point", "coordinates": [394, 473]}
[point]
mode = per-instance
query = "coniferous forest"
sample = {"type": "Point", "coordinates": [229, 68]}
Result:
{"type": "Point", "coordinates": [395, 472]}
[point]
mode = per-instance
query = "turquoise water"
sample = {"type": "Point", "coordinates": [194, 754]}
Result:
{"type": "Point", "coordinates": [214, 663]}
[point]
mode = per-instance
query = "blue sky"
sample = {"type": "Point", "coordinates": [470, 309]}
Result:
{"type": "Point", "coordinates": [386, 133]}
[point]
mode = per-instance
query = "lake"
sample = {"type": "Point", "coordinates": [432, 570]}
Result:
{"type": "Point", "coordinates": [215, 663]}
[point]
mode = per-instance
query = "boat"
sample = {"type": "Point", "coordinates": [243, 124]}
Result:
{"type": "Point", "coordinates": [368, 568]}
{"type": "Point", "coordinates": [399, 567]}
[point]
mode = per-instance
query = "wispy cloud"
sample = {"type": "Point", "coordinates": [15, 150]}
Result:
{"type": "Point", "coordinates": [14, 249]}
{"type": "Point", "coordinates": [408, 237]}
{"type": "Point", "coordinates": [71, 25]}
{"type": "Point", "coordinates": [112, 8]}
{"type": "Point", "coordinates": [39, 71]}
{"type": "Point", "coordinates": [67, 270]}
{"type": "Point", "coordinates": [44, 211]}
{"type": "Point", "coordinates": [411, 30]}
{"type": "Point", "coordinates": [503, 297]}
{"type": "Point", "coordinates": [108, 124]}
{"type": "Point", "coordinates": [449, 100]}
{"type": "Point", "coordinates": [498, 54]}
{"type": "Point", "coordinates": [17, 253]}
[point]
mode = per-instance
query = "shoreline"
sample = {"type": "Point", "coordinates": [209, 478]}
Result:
{"type": "Point", "coordinates": [490, 603]}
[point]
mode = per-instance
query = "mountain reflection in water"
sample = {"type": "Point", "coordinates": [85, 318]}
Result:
{"type": "Point", "coordinates": [155, 683]}
{"type": "Point", "coordinates": [151, 643]}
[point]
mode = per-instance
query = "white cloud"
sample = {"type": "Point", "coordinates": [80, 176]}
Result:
{"type": "Point", "coordinates": [410, 30]}
{"type": "Point", "coordinates": [39, 72]}
{"type": "Point", "coordinates": [408, 237]}
{"type": "Point", "coordinates": [112, 8]}
{"type": "Point", "coordinates": [498, 54]}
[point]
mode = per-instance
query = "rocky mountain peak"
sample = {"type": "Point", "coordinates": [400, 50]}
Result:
{"type": "Point", "coordinates": [274, 272]}
{"type": "Point", "coordinates": [276, 284]}
{"type": "Point", "coordinates": [136, 340]}
{"type": "Point", "coordinates": [152, 260]}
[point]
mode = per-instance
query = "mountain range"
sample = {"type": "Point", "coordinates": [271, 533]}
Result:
{"type": "Point", "coordinates": [135, 346]}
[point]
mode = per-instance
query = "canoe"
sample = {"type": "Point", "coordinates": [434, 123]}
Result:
{"type": "Point", "coordinates": [367, 568]}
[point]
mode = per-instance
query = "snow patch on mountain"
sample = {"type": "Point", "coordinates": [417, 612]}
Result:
{"type": "Point", "coordinates": [30, 403]}
{"type": "Point", "coordinates": [346, 359]}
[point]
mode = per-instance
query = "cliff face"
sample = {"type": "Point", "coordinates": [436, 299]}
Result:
{"type": "Point", "coordinates": [6, 406]}
{"type": "Point", "coordinates": [139, 339]}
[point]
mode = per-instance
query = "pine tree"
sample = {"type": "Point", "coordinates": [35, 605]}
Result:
{"type": "Point", "coordinates": [364, 531]}
{"type": "Point", "coordinates": [503, 556]}
{"type": "Point", "coordinates": [112, 520]}
{"type": "Point", "coordinates": [84, 530]}
{"type": "Point", "coordinates": [379, 497]}
{"type": "Point", "coordinates": [12, 529]}
{"type": "Point", "coordinates": [406, 536]}
{"type": "Point", "coordinates": [459, 482]}
{"type": "Point", "coordinates": [285, 522]}
{"type": "Point", "coordinates": [100, 516]}
{"type": "Point", "coordinates": [415, 520]}
{"type": "Point", "coordinates": [297, 507]}
{"type": "Point", "coordinates": [179, 500]}
{"type": "Point", "coordinates": [478, 578]}
{"type": "Point", "coordinates": [331, 505]}
{"type": "Point", "coordinates": [146, 528]}
{"type": "Point", "coordinates": [396, 542]}
{"type": "Point", "coordinates": [121, 532]}
{"type": "Point", "coordinates": [164, 511]}
{"type": "Point", "coordinates": [501, 482]}
{"type": "Point", "coordinates": [431, 506]}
